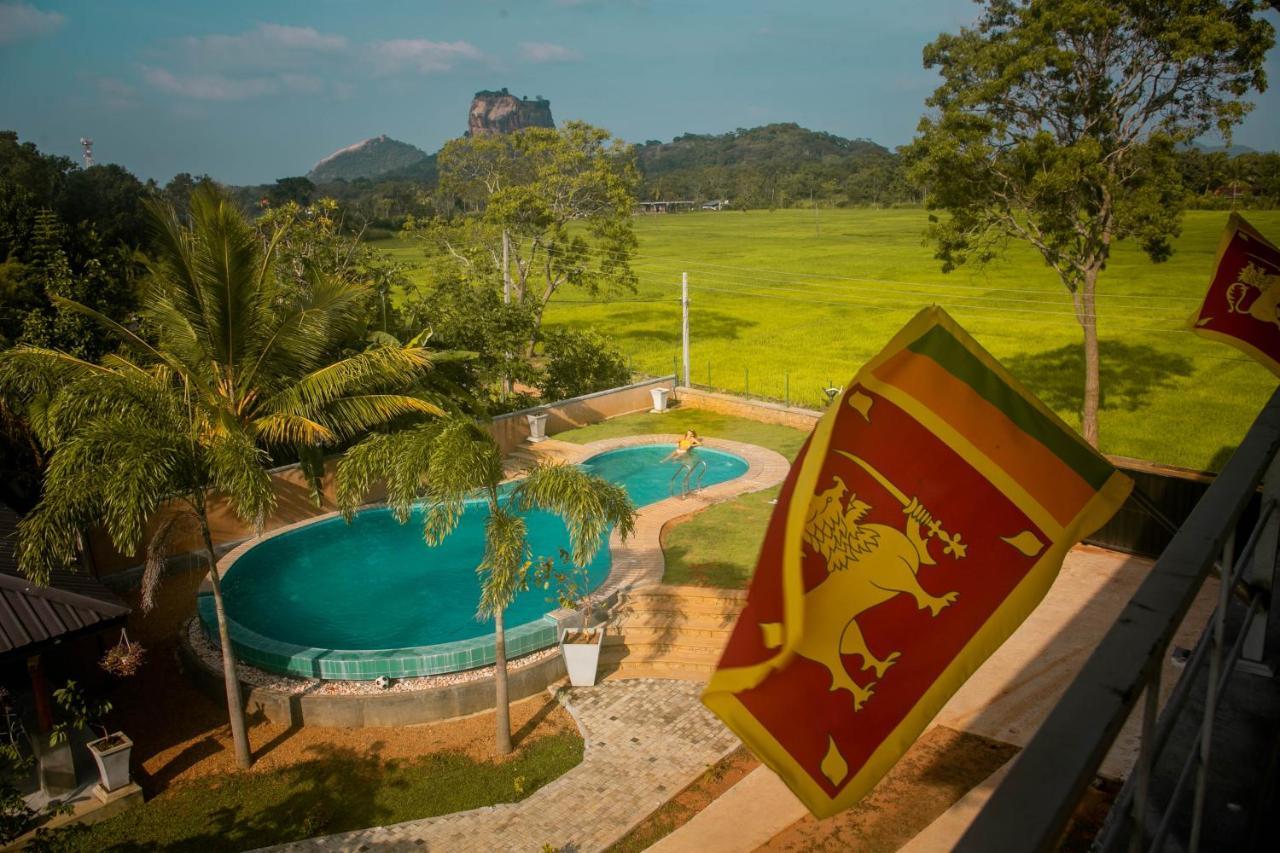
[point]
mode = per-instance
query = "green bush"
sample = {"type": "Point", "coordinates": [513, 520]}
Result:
{"type": "Point", "coordinates": [580, 363]}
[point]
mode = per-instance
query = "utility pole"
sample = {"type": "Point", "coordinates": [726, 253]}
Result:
{"type": "Point", "coordinates": [684, 302]}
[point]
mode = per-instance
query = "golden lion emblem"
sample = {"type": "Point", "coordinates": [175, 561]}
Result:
{"type": "Point", "coordinates": [867, 564]}
{"type": "Point", "coordinates": [1256, 293]}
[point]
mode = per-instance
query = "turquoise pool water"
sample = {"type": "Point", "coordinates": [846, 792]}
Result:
{"type": "Point", "coordinates": [313, 594]}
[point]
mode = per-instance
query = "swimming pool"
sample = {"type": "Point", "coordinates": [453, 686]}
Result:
{"type": "Point", "coordinates": [353, 602]}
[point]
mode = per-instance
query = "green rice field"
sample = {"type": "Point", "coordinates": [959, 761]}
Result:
{"type": "Point", "coordinates": [786, 303]}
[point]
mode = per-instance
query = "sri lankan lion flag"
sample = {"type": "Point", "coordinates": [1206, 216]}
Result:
{"type": "Point", "coordinates": [924, 519]}
{"type": "Point", "coordinates": [1242, 305]}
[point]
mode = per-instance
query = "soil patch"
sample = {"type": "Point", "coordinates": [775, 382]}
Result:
{"type": "Point", "coordinates": [179, 733]}
{"type": "Point", "coordinates": [939, 768]}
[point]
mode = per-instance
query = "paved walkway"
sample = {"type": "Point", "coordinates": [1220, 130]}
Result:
{"type": "Point", "coordinates": [646, 739]}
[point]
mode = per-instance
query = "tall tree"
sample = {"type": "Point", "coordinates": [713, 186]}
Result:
{"type": "Point", "coordinates": [1056, 125]}
{"type": "Point", "coordinates": [443, 463]}
{"type": "Point", "coordinates": [563, 198]}
{"type": "Point", "coordinates": [237, 369]}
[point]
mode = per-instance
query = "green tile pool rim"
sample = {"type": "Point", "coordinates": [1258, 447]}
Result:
{"type": "Point", "coordinates": [329, 664]}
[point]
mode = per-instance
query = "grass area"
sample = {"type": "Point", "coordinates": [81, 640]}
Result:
{"type": "Point", "coordinates": [784, 440]}
{"type": "Point", "coordinates": [718, 546]}
{"type": "Point", "coordinates": [336, 791]}
{"type": "Point", "coordinates": [784, 303]}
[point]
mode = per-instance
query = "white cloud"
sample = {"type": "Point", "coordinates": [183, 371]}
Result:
{"type": "Point", "coordinates": [219, 87]}
{"type": "Point", "coordinates": [421, 55]}
{"type": "Point", "coordinates": [267, 46]}
{"type": "Point", "coordinates": [22, 21]}
{"type": "Point", "coordinates": [545, 51]}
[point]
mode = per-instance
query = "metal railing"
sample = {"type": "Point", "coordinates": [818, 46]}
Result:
{"type": "Point", "coordinates": [1031, 807]}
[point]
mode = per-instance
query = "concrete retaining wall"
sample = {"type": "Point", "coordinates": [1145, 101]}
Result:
{"type": "Point", "coordinates": [511, 429]}
{"type": "Point", "coordinates": [742, 407]}
{"type": "Point", "coordinates": [375, 709]}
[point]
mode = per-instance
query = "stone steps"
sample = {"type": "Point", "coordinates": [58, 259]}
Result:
{"type": "Point", "coordinates": [670, 632]}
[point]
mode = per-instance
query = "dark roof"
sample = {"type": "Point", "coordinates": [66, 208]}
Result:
{"type": "Point", "coordinates": [33, 616]}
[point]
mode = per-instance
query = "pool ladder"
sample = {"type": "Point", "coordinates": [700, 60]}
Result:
{"type": "Point", "coordinates": [691, 481]}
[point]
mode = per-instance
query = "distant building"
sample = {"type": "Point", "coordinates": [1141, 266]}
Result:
{"type": "Point", "coordinates": [716, 204]}
{"type": "Point", "coordinates": [665, 206]}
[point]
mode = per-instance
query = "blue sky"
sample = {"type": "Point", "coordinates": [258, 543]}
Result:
{"type": "Point", "coordinates": [252, 91]}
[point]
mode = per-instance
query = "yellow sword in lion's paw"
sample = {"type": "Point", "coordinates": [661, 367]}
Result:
{"type": "Point", "coordinates": [951, 544]}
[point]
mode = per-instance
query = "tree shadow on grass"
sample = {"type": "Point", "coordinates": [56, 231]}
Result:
{"type": "Point", "coordinates": [681, 570]}
{"type": "Point", "coordinates": [336, 790]}
{"type": "Point", "coordinates": [1129, 374]}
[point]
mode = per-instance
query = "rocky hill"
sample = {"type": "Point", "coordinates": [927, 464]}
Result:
{"type": "Point", "coordinates": [369, 158]}
{"type": "Point", "coordinates": [501, 112]}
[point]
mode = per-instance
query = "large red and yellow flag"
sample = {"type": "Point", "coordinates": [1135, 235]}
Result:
{"type": "Point", "coordinates": [922, 522]}
{"type": "Point", "coordinates": [1242, 306]}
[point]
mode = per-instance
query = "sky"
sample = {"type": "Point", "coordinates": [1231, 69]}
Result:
{"type": "Point", "coordinates": [248, 92]}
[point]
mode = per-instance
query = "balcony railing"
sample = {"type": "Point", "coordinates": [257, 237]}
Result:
{"type": "Point", "coordinates": [1031, 807]}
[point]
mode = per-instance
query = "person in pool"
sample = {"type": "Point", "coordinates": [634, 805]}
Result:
{"type": "Point", "coordinates": [684, 449]}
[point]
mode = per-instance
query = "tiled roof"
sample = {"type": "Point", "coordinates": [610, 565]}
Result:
{"type": "Point", "coordinates": [31, 615]}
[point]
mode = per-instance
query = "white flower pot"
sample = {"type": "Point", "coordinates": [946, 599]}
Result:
{"type": "Point", "coordinates": [537, 427]}
{"type": "Point", "coordinates": [112, 760]}
{"type": "Point", "coordinates": [659, 400]}
{"type": "Point", "coordinates": [582, 659]}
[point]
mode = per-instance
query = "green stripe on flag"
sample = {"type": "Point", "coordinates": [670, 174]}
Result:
{"type": "Point", "coordinates": [941, 346]}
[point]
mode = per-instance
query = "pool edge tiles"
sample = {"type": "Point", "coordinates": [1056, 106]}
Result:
{"type": "Point", "coordinates": [289, 658]}
{"type": "Point", "coordinates": [283, 657]}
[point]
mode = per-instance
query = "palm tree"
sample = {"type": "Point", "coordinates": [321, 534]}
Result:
{"type": "Point", "coordinates": [232, 368]}
{"type": "Point", "coordinates": [443, 463]}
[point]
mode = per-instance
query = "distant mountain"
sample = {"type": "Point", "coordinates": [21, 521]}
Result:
{"type": "Point", "coordinates": [369, 158]}
{"type": "Point", "coordinates": [773, 165]}
{"type": "Point", "coordinates": [1229, 150]}
{"type": "Point", "coordinates": [785, 145]}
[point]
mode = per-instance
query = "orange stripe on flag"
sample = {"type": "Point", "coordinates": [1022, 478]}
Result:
{"type": "Point", "coordinates": [1057, 487]}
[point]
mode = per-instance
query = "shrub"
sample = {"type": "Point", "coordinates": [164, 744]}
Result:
{"type": "Point", "coordinates": [580, 363]}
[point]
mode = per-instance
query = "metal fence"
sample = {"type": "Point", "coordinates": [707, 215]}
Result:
{"type": "Point", "coordinates": [1032, 805]}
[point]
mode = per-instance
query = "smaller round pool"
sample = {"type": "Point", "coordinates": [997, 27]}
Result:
{"type": "Point", "coordinates": [355, 601]}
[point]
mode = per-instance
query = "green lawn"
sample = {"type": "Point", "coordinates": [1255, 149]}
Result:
{"type": "Point", "coordinates": [334, 792]}
{"type": "Point", "coordinates": [784, 305]}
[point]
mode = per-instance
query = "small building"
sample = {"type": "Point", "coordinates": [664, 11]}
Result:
{"type": "Point", "coordinates": [46, 634]}
{"type": "Point", "coordinates": [665, 206]}
{"type": "Point", "coordinates": [716, 204]}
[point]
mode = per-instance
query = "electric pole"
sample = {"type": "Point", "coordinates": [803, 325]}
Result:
{"type": "Point", "coordinates": [684, 302]}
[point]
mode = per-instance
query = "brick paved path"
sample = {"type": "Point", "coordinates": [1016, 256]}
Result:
{"type": "Point", "coordinates": [645, 740]}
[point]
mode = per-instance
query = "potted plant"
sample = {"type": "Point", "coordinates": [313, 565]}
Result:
{"type": "Point", "coordinates": [111, 751]}
{"type": "Point", "coordinates": [537, 425]}
{"type": "Point", "coordinates": [580, 649]}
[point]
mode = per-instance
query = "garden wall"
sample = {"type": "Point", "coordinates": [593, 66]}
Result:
{"type": "Point", "coordinates": [511, 429]}
{"type": "Point", "coordinates": [293, 494]}
{"type": "Point", "coordinates": [742, 407]}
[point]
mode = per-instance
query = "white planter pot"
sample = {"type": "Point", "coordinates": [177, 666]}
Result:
{"type": "Point", "coordinates": [659, 400]}
{"type": "Point", "coordinates": [537, 427]}
{"type": "Point", "coordinates": [582, 659]}
{"type": "Point", "coordinates": [113, 761]}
